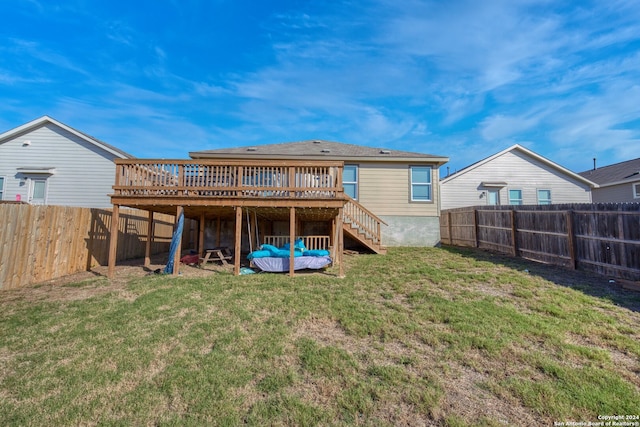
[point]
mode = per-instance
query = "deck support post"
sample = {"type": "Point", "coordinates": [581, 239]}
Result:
{"type": "Point", "coordinates": [340, 244]}
{"type": "Point", "coordinates": [113, 241]}
{"type": "Point", "coordinates": [218, 228]}
{"type": "Point", "coordinates": [201, 224]}
{"type": "Point", "coordinates": [292, 236]}
{"type": "Point", "coordinates": [178, 254]}
{"type": "Point", "coordinates": [238, 240]}
{"type": "Point", "coordinates": [147, 246]}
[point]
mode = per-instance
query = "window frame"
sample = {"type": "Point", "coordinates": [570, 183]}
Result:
{"type": "Point", "coordinates": [511, 200]}
{"type": "Point", "coordinates": [547, 201]}
{"type": "Point", "coordinates": [636, 190]}
{"type": "Point", "coordinates": [413, 184]}
{"type": "Point", "coordinates": [355, 183]}
{"type": "Point", "coordinates": [3, 180]}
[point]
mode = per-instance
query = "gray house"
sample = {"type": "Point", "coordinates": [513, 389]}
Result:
{"type": "Point", "coordinates": [399, 187]}
{"type": "Point", "coordinates": [514, 176]}
{"type": "Point", "coordinates": [619, 182]}
{"type": "Point", "coordinates": [47, 162]}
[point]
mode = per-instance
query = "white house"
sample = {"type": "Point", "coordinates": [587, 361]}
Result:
{"type": "Point", "coordinates": [515, 176]}
{"type": "Point", "coordinates": [47, 162]}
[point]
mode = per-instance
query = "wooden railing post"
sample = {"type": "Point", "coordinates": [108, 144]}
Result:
{"type": "Point", "coordinates": [292, 180]}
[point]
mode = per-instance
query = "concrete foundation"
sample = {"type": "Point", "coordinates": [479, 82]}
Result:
{"type": "Point", "coordinates": [410, 231]}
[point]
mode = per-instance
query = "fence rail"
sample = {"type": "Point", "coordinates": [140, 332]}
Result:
{"type": "Point", "coordinates": [603, 237]}
{"type": "Point", "coordinates": [39, 243]}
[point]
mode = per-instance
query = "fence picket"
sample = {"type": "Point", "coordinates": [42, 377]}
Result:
{"type": "Point", "coordinates": [39, 243]}
{"type": "Point", "coordinates": [599, 237]}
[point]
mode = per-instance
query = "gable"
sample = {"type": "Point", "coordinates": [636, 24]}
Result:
{"type": "Point", "coordinates": [496, 162]}
{"type": "Point", "coordinates": [89, 142]}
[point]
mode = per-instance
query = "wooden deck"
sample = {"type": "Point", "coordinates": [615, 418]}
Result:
{"type": "Point", "coordinates": [200, 189]}
{"type": "Point", "coordinates": [272, 189]}
{"type": "Point", "coordinates": [154, 184]}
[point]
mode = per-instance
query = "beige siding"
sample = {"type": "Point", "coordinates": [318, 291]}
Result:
{"type": "Point", "coordinates": [384, 190]}
{"type": "Point", "coordinates": [519, 171]}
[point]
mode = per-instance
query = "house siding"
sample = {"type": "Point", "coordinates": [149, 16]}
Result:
{"type": "Point", "coordinates": [615, 193]}
{"type": "Point", "coordinates": [385, 191]}
{"type": "Point", "coordinates": [84, 174]}
{"type": "Point", "coordinates": [519, 171]}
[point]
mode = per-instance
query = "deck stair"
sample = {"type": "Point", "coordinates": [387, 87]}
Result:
{"type": "Point", "coordinates": [363, 226]}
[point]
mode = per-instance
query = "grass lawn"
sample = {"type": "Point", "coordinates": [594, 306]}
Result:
{"type": "Point", "coordinates": [416, 337]}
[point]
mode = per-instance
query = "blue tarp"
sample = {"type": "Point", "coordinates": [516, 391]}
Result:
{"type": "Point", "coordinates": [175, 241]}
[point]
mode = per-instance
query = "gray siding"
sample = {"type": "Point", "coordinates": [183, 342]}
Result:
{"type": "Point", "coordinates": [615, 194]}
{"type": "Point", "coordinates": [519, 171]}
{"type": "Point", "coordinates": [83, 174]}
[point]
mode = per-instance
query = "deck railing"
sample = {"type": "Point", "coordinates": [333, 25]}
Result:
{"type": "Point", "coordinates": [363, 220]}
{"type": "Point", "coordinates": [230, 178]}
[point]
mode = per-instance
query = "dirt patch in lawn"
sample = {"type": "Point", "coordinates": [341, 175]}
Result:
{"type": "Point", "coordinates": [87, 284]}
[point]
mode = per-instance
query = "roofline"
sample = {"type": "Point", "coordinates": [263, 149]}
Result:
{"type": "Point", "coordinates": [627, 181]}
{"type": "Point", "coordinates": [44, 119]}
{"type": "Point", "coordinates": [529, 153]}
{"type": "Point", "coordinates": [432, 159]}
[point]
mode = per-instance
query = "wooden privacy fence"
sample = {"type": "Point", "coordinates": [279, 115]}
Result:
{"type": "Point", "coordinates": [602, 237]}
{"type": "Point", "coordinates": [39, 243]}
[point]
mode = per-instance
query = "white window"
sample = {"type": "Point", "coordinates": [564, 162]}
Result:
{"type": "Point", "coordinates": [544, 197]}
{"type": "Point", "coordinates": [1, 187]}
{"type": "Point", "coordinates": [493, 197]}
{"type": "Point", "coordinates": [420, 183]}
{"type": "Point", "coordinates": [515, 197]}
{"type": "Point", "coordinates": [38, 191]}
{"type": "Point", "coordinates": [350, 181]}
{"type": "Point", "coordinates": [636, 191]}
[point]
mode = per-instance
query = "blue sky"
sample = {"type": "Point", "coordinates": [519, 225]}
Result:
{"type": "Point", "coordinates": [463, 79]}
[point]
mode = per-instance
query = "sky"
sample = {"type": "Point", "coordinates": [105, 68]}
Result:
{"type": "Point", "coordinates": [455, 78]}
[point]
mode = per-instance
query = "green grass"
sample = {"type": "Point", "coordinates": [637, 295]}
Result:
{"type": "Point", "coordinates": [435, 336]}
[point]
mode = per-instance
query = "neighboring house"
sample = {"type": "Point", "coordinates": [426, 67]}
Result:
{"type": "Point", "coordinates": [47, 162]}
{"type": "Point", "coordinates": [515, 176]}
{"type": "Point", "coordinates": [619, 182]}
{"type": "Point", "coordinates": [399, 187]}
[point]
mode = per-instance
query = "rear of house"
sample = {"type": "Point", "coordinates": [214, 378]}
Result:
{"type": "Point", "coordinates": [400, 188]}
{"type": "Point", "coordinates": [47, 162]}
{"type": "Point", "coordinates": [515, 176]}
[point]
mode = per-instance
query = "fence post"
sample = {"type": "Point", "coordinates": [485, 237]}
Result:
{"type": "Point", "coordinates": [113, 241]}
{"type": "Point", "coordinates": [449, 227]}
{"type": "Point", "coordinates": [571, 238]}
{"type": "Point", "coordinates": [514, 238]}
{"type": "Point", "coordinates": [475, 227]}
